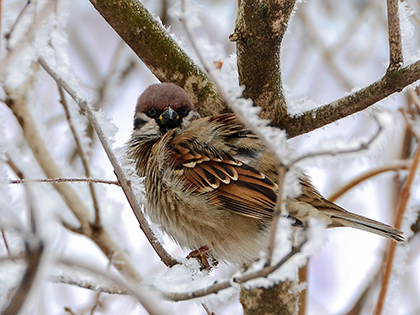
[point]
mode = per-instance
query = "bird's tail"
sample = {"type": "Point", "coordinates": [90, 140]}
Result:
{"type": "Point", "coordinates": [345, 218]}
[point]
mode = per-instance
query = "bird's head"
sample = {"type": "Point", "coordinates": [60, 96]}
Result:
{"type": "Point", "coordinates": [162, 107]}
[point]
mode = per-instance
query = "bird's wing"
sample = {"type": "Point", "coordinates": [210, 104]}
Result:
{"type": "Point", "coordinates": [203, 159]}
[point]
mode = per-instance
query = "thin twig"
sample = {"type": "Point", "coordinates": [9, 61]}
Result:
{"type": "Point", "coordinates": [28, 36]}
{"type": "Point", "coordinates": [363, 146]}
{"type": "Point", "coordinates": [144, 294]}
{"type": "Point", "coordinates": [402, 205]}
{"type": "Point", "coordinates": [167, 259]}
{"type": "Point", "coordinates": [33, 256]}
{"type": "Point", "coordinates": [218, 286]}
{"type": "Point", "coordinates": [17, 102]}
{"type": "Point", "coordinates": [394, 166]}
{"type": "Point", "coordinates": [207, 309]}
{"type": "Point", "coordinates": [8, 35]}
{"type": "Point", "coordinates": [325, 51]}
{"type": "Point", "coordinates": [83, 157]}
{"type": "Point", "coordinates": [6, 244]}
{"type": "Point", "coordinates": [394, 36]}
{"type": "Point", "coordinates": [62, 179]}
{"type": "Point", "coordinates": [98, 295]}
{"type": "Point", "coordinates": [409, 124]}
{"type": "Point", "coordinates": [276, 215]}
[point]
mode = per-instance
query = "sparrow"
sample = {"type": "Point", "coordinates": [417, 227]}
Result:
{"type": "Point", "coordinates": [211, 183]}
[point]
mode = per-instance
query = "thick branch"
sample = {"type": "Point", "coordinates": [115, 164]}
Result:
{"type": "Point", "coordinates": [260, 27]}
{"type": "Point", "coordinates": [392, 82]}
{"type": "Point", "coordinates": [159, 52]}
{"type": "Point", "coordinates": [394, 36]}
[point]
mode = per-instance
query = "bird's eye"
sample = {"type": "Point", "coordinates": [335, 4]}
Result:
{"type": "Point", "coordinates": [183, 111]}
{"type": "Point", "coordinates": [152, 112]}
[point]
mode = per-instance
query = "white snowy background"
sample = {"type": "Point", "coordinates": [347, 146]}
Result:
{"type": "Point", "coordinates": [331, 48]}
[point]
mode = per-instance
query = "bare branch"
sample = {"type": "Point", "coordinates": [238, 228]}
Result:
{"type": "Point", "coordinates": [33, 256]}
{"type": "Point", "coordinates": [83, 157]}
{"type": "Point", "coordinates": [61, 179]}
{"type": "Point", "coordinates": [395, 166]}
{"type": "Point", "coordinates": [394, 36]}
{"type": "Point", "coordinates": [391, 83]}
{"type": "Point", "coordinates": [124, 182]}
{"type": "Point", "coordinates": [402, 205]}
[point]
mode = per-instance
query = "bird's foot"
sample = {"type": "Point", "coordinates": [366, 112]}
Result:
{"type": "Point", "coordinates": [202, 255]}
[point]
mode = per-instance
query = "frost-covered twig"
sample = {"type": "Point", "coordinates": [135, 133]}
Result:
{"type": "Point", "coordinates": [10, 32]}
{"type": "Point", "coordinates": [18, 104]}
{"type": "Point", "coordinates": [33, 255]}
{"type": "Point", "coordinates": [280, 204]}
{"type": "Point", "coordinates": [61, 179]}
{"type": "Point", "coordinates": [390, 83]}
{"type": "Point", "coordinates": [27, 38]}
{"type": "Point", "coordinates": [363, 146]}
{"type": "Point", "coordinates": [218, 286]}
{"type": "Point", "coordinates": [83, 157]}
{"type": "Point", "coordinates": [393, 166]}
{"type": "Point", "coordinates": [124, 182]}
{"type": "Point", "coordinates": [160, 53]}
{"type": "Point", "coordinates": [394, 36]}
{"type": "Point", "coordinates": [402, 205]}
{"type": "Point", "coordinates": [146, 296]}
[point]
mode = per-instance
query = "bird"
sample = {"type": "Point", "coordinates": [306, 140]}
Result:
{"type": "Point", "coordinates": [210, 182]}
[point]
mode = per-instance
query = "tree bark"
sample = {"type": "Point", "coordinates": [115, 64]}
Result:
{"type": "Point", "coordinates": [281, 299]}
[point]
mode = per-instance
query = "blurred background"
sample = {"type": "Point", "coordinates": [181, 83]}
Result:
{"type": "Point", "coordinates": [332, 47]}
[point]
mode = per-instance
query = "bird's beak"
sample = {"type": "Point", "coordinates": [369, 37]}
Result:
{"type": "Point", "coordinates": [169, 118]}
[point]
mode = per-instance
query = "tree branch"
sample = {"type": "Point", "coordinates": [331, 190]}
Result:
{"type": "Point", "coordinates": [18, 104]}
{"type": "Point", "coordinates": [124, 182]}
{"type": "Point", "coordinates": [159, 52]}
{"type": "Point", "coordinates": [390, 83]}
{"type": "Point", "coordinates": [163, 56]}
{"type": "Point", "coordinates": [402, 205]}
{"type": "Point", "coordinates": [260, 27]}
{"type": "Point", "coordinates": [394, 36]}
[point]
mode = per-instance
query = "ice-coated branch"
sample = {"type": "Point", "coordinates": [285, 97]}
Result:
{"type": "Point", "coordinates": [124, 182]}
{"type": "Point", "coordinates": [394, 36]}
{"type": "Point", "coordinates": [145, 295]}
{"type": "Point", "coordinates": [62, 179]}
{"type": "Point", "coordinates": [218, 286]}
{"type": "Point", "coordinates": [392, 82]}
{"type": "Point", "coordinates": [159, 52]}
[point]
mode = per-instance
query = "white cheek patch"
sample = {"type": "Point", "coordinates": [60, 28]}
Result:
{"type": "Point", "coordinates": [186, 121]}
